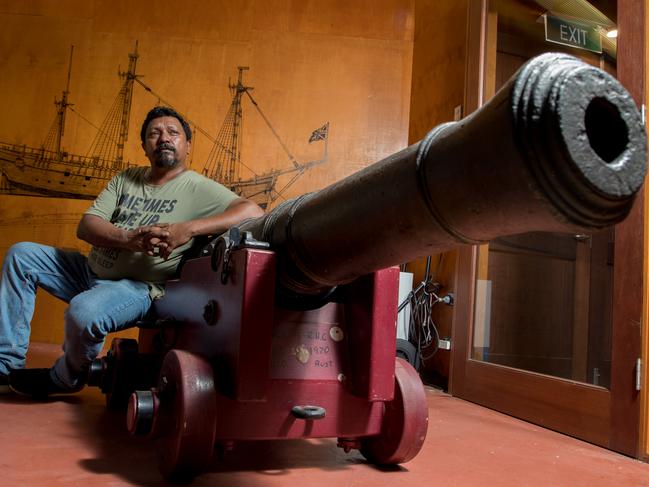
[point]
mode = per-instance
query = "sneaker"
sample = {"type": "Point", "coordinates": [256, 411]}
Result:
{"type": "Point", "coordinates": [4, 384]}
{"type": "Point", "coordinates": [36, 383]}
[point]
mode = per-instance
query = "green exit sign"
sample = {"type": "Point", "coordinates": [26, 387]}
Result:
{"type": "Point", "coordinates": [574, 33]}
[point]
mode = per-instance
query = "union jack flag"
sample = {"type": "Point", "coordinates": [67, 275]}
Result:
{"type": "Point", "coordinates": [319, 134]}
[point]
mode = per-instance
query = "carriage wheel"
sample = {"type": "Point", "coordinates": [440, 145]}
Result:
{"type": "Point", "coordinates": [122, 370]}
{"type": "Point", "coordinates": [186, 422]}
{"type": "Point", "coordinates": [405, 421]}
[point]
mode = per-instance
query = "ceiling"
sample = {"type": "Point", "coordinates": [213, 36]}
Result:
{"type": "Point", "coordinates": [601, 12]}
{"type": "Point", "coordinates": [522, 15]}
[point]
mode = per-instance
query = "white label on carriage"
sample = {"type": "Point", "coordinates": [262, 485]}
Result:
{"type": "Point", "coordinates": [307, 351]}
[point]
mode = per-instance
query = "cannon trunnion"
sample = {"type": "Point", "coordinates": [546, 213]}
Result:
{"type": "Point", "coordinates": [286, 326]}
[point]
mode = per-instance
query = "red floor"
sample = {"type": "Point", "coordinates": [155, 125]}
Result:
{"type": "Point", "coordinates": [74, 440]}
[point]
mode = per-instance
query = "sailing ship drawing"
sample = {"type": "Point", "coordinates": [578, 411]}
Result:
{"type": "Point", "coordinates": [51, 171]}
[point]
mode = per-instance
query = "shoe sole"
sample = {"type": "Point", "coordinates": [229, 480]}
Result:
{"type": "Point", "coordinates": [39, 396]}
{"type": "Point", "coordinates": [24, 394]}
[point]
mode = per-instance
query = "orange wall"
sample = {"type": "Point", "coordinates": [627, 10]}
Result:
{"type": "Point", "coordinates": [311, 62]}
{"type": "Point", "coordinates": [437, 88]}
{"type": "Point", "coordinates": [438, 64]}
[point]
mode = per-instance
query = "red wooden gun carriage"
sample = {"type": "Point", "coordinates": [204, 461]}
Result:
{"type": "Point", "coordinates": [285, 326]}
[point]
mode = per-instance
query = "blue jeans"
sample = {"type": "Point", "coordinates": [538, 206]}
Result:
{"type": "Point", "coordinates": [96, 307]}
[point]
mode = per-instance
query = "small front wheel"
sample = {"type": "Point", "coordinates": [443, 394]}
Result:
{"type": "Point", "coordinates": [186, 421]}
{"type": "Point", "coordinates": [405, 421]}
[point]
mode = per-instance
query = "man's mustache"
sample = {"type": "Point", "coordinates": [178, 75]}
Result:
{"type": "Point", "coordinates": [162, 147]}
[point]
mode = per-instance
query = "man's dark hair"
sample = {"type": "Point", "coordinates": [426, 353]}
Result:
{"type": "Point", "coordinates": [158, 112]}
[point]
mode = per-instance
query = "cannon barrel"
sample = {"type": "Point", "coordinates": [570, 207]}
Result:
{"type": "Point", "coordinates": [561, 147]}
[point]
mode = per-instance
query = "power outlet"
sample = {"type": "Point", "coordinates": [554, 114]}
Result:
{"type": "Point", "coordinates": [457, 113]}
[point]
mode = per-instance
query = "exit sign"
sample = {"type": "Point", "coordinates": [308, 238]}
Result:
{"type": "Point", "coordinates": [573, 33]}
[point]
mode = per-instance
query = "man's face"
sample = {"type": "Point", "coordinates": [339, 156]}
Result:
{"type": "Point", "coordinates": [165, 143]}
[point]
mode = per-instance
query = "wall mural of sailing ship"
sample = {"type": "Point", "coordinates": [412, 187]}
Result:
{"type": "Point", "coordinates": [51, 171]}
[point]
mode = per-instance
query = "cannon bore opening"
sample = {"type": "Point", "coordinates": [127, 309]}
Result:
{"type": "Point", "coordinates": [607, 132]}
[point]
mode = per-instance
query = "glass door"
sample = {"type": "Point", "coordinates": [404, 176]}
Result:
{"type": "Point", "coordinates": [547, 325]}
{"type": "Point", "coordinates": [543, 304]}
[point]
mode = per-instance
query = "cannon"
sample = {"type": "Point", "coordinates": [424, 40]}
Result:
{"type": "Point", "coordinates": [284, 327]}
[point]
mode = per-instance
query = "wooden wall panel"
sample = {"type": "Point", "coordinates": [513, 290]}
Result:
{"type": "Point", "coordinates": [438, 64]}
{"type": "Point", "coordinates": [310, 62]}
{"type": "Point", "coordinates": [50, 221]}
{"type": "Point", "coordinates": [438, 74]}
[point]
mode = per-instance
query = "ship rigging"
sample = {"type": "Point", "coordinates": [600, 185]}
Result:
{"type": "Point", "coordinates": [51, 171]}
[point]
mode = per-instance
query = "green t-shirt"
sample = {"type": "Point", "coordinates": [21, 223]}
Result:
{"type": "Point", "coordinates": [129, 202]}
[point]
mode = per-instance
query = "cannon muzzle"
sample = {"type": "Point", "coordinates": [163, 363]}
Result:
{"type": "Point", "coordinates": [561, 147]}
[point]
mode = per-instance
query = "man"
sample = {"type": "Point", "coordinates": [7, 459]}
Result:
{"type": "Point", "coordinates": [139, 227]}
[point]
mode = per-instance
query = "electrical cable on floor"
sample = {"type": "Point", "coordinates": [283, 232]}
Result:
{"type": "Point", "coordinates": [422, 331]}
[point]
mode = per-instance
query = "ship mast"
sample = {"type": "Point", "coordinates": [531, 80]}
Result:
{"type": "Point", "coordinates": [235, 148]}
{"type": "Point", "coordinates": [108, 147]}
{"type": "Point", "coordinates": [224, 159]}
{"type": "Point", "coordinates": [129, 77]}
{"type": "Point", "coordinates": [55, 135]}
{"type": "Point", "coordinates": [62, 107]}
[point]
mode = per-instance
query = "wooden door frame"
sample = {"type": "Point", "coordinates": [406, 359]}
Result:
{"type": "Point", "coordinates": [628, 288]}
{"type": "Point", "coordinates": [607, 418]}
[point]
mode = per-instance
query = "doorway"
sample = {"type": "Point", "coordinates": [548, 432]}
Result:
{"type": "Point", "coordinates": [548, 329]}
